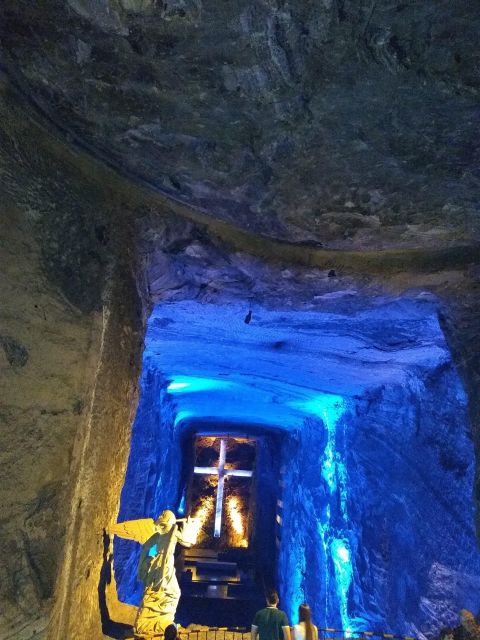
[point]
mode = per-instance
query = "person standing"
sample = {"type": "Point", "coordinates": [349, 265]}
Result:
{"type": "Point", "coordinates": [271, 623]}
{"type": "Point", "coordinates": [305, 630]}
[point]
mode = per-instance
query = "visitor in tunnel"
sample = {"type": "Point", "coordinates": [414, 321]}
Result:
{"type": "Point", "coordinates": [304, 630]}
{"type": "Point", "coordinates": [271, 623]}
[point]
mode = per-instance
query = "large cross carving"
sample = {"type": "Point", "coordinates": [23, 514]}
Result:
{"type": "Point", "coordinates": [222, 473]}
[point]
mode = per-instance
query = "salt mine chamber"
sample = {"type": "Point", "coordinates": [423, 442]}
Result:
{"type": "Point", "coordinates": [351, 432]}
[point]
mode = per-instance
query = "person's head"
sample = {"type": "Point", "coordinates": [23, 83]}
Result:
{"type": "Point", "coordinates": [272, 598]}
{"type": "Point", "coordinates": [170, 632]}
{"type": "Point", "coordinates": [165, 521]}
{"type": "Point", "coordinates": [305, 616]}
{"type": "Point", "coordinates": [304, 613]}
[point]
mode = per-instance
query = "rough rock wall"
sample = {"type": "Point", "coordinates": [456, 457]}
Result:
{"type": "Point", "coordinates": [101, 456]}
{"type": "Point", "coordinates": [382, 536]}
{"type": "Point", "coordinates": [71, 328]}
{"type": "Point", "coordinates": [47, 363]}
{"type": "Point", "coordinates": [414, 501]}
{"type": "Point", "coordinates": [461, 323]}
{"type": "Point", "coordinates": [152, 479]}
{"type": "Point", "coordinates": [341, 122]}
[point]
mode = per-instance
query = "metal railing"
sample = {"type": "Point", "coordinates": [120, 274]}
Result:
{"type": "Point", "coordinates": [243, 633]}
{"type": "Point", "coordinates": [215, 633]}
{"type": "Point", "coordinates": [210, 633]}
{"type": "Point", "coordinates": [327, 633]}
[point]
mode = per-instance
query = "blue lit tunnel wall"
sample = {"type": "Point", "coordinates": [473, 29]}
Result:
{"type": "Point", "coordinates": [153, 478]}
{"type": "Point", "coordinates": [377, 518]}
{"type": "Point", "coordinates": [383, 537]}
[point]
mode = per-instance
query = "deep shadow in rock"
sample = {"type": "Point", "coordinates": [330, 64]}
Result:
{"type": "Point", "coordinates": [110, 628]}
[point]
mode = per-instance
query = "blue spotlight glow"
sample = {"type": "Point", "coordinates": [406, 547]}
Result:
{"type": "Point", "coordinates": [330, 408]}
{"type": "Point", "coordinates": [176, 386]}
{"type": "Point", "coordinates": [192, 384]}
{"type": "Point", "coordinates": [326, 406]}
{"type": "Point", "coordinates": [181, 416]}
{"type": "Point", "coordinates": [297, 590]}
{"type": "Point", "coordinates": [182, 505]}
{"type": "Point", "coordinates": [333, 526]}
{"type": "Point", "coordinates": [340, 553]}
{"type": "Point", "coordinates": [334, 473]}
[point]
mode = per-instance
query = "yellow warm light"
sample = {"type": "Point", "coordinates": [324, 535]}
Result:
{"type": "Point", "coordinates": [236, 522]}
{"type": "Point", "coordinates": [202, 514]}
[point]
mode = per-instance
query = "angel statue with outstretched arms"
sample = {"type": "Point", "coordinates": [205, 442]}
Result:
{"type": "Point", "coordinates": [156, 567]}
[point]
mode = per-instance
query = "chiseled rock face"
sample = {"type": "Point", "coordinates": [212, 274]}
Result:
{"type": "Point", "coordinates": [46, 367]}
{"type": "Point", "coordinates": [397, 550]}
{"type": "Point", "coordinates": [51, 284]}
{"type": "Point", "coordinates": [351, 124]}
{"type": "Point", "coordinates": [59, 316]}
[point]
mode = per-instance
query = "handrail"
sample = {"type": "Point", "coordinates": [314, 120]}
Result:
{"type": "Point", "coordinates": [242, 633]}
{"type": "Point", "coordinates": [346, 633]}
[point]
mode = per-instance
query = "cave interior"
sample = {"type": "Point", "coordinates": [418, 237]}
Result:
{"type": "Point", "coordinates": [345, 418]}
{"type": "Point", "coordinates": [253, 223]}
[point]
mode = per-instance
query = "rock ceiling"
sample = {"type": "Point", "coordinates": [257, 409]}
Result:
{"type": "Point", "coordinates": [350, 124]}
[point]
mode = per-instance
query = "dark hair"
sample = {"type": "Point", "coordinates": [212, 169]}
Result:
{"type": "Point", "coordinates": [272, 597]}
{"type": "Point", "coordinates": [305, 616]}
{"type": "Point", "coordinates": [170, 632]}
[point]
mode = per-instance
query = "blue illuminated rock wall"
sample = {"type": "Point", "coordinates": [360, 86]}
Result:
{"type": "Point", "coordinates": [152, 479]}
{"type": "Point", "coordinates": [267, 492]}
{"type": "Point", "coordinates": [377, 516]}
{"type": "Point", "coordinates": [318, 539]}
{"type": "Point", "coordinates": [418, 560]}
{"type": "Point", "coordinates": [397, 551]}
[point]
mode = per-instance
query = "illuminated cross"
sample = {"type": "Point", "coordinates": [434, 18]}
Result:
{"type": "Point", "coordinates": [221, 472]}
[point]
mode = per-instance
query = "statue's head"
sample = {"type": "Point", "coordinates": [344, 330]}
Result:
{"type": "Point", "coordinates": [165, 521]}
